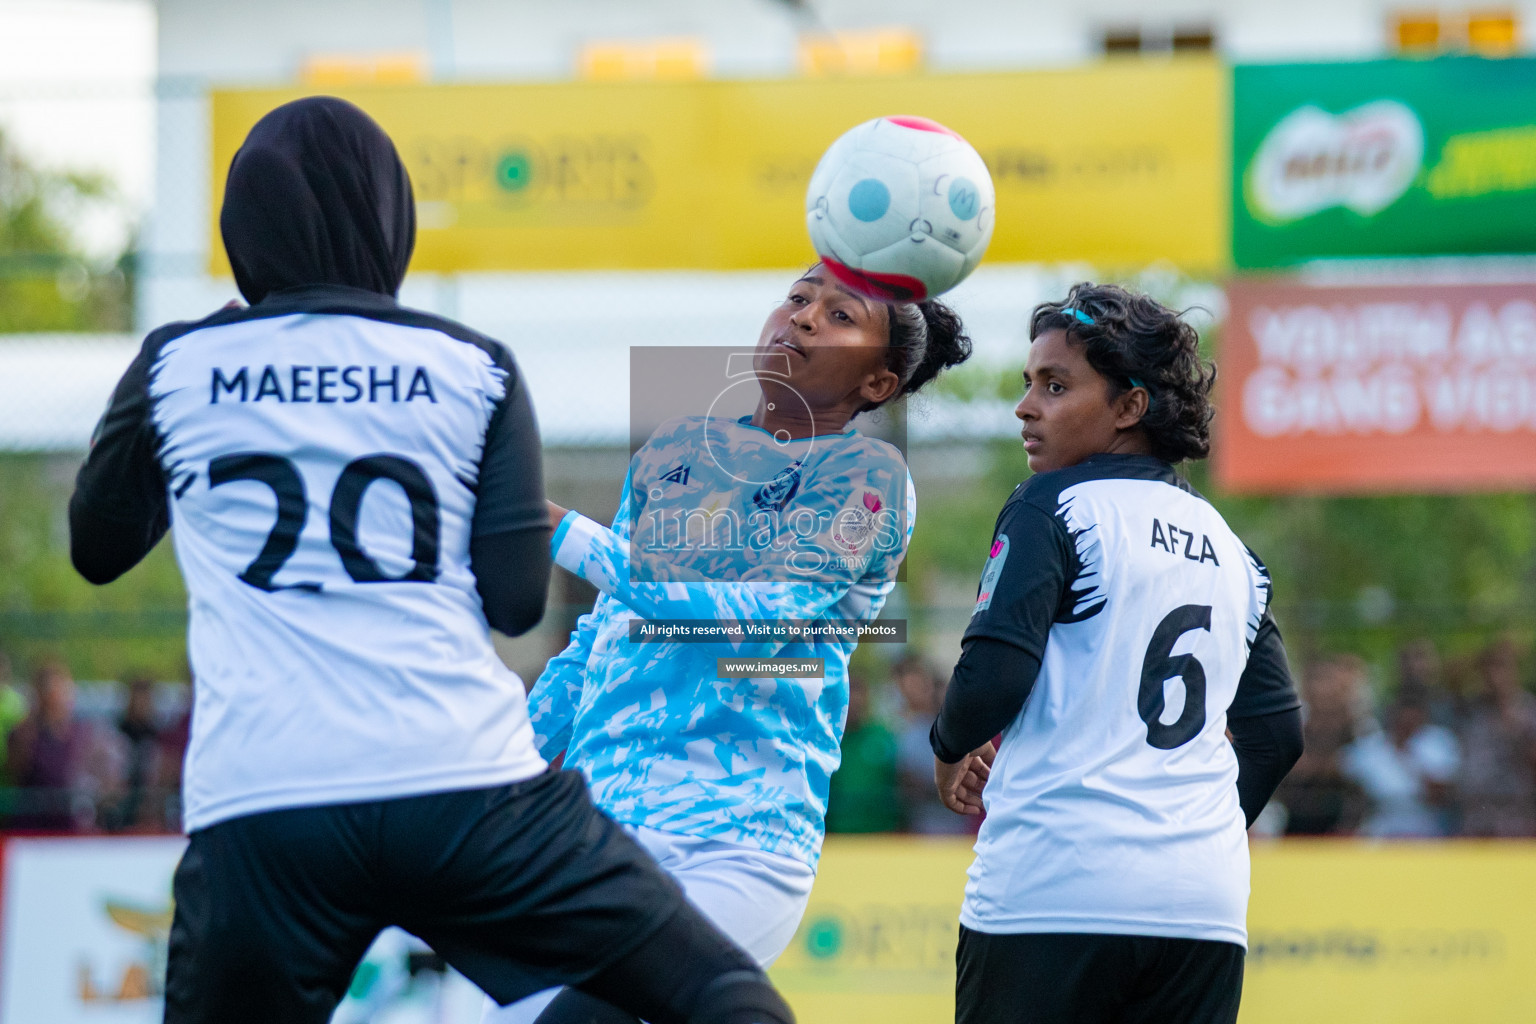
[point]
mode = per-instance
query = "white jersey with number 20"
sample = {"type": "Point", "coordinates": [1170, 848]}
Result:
{"type": "Point", "coordinates": [326, 457]}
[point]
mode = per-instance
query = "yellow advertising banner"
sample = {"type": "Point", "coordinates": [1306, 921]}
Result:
{"type": "Point", "coordinates": [1340, 932]}
{"type": "Point", "coordinates": [1120, 164]}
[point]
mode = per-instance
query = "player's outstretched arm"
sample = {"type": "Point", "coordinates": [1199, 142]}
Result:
{"type": "Point", "coordinates": [554, 699]}
{"type": "Point", "coordinates": [774, 589]}
{"type": "Point", "coordinates": [557, 695]}
{"type": "Point", "coordinates": [119, 510]}
{"type": "Point", "coordinates": [602, 558]}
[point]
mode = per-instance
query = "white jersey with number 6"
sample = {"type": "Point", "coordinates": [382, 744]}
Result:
{"type": "Point", "coordinates": [1112, 807]}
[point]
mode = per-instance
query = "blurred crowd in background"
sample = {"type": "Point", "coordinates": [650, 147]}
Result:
{"type": "Point", "coordinates": [1451, 751]}
{"type": "Point", "coordinates": [1446, 748]}
{"type": "Point", "coordinates": [107, 759]}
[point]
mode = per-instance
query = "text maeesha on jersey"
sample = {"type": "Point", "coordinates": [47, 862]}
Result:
{"type": "Point", "coordinates": [323, 385]}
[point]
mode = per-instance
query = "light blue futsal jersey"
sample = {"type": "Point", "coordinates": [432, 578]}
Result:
{"type": "Point", "coordinates": [720, 521]}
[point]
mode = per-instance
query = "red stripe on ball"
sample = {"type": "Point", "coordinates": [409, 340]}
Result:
{"type": "Point", "coordinates": [922, 124]}
{"type": "Point", "coordinates": [876, 285]}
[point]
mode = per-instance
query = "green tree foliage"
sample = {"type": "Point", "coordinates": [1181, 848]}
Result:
{"type": "Point", "coordinates": [46, 282]}
{"type": "Point", "coordinates": [46, 609]}
{"type": "Point", "coordinates": [1367, 574]}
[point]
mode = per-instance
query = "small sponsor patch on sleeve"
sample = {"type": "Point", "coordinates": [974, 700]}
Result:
{"type": "Point", "coordinates": [854, 526]}
{"type": "Point", "coordinates": [992, 573]}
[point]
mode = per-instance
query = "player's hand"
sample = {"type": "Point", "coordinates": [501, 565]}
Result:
{"type": "Point", "coordinates": [960, 784]}
{"type": "Point", "coordinates": [556, 513]}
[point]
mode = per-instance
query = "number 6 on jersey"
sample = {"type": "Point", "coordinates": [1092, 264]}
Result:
{"type": "Point", "coordinates": [1160, 665]}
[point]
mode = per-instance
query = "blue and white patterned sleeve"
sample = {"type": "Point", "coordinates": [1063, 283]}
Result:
{"type": "Point", "coordinates": [556, 696]}
{"type": "Point", "coordinates": [553, 701]}
{"type": "Point", "coordinates": [854, 580]}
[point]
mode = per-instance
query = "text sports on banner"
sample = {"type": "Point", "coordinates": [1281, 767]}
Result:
{"type": "Point", "coordinates": [1119, 165]}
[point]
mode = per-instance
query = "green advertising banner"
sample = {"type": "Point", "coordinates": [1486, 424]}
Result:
{"type": "Point", "coordinates": [1383, 158]}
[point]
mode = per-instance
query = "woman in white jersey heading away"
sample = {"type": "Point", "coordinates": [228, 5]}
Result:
{"type": "Point", "coordinates": [1120, 630]}
{"type": "Point", "coordinates": [358, 495]}
{"type": "Point", "coordinates": [788, 515]}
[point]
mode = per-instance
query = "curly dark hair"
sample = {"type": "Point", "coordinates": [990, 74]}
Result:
{"type": "Point", "coordinates": [927, 338]}
{"type": "Point", "coordinates": [1134, 337]}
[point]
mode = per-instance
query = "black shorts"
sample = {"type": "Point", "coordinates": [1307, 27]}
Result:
{"type": "Point", "coordinates": [518, 887]}
{"type": "Point", "coordinates": [1095, 979]}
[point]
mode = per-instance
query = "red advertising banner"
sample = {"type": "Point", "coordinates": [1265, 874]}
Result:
{"type": "Point", "coordinates": [1352, 389]}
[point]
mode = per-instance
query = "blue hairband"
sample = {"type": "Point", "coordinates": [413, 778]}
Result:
{"type": "Point", "coordinates": [1085, 318]}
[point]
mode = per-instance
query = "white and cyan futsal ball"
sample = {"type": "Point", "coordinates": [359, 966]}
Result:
{"type": "Point", "coordinates": [900, 208]}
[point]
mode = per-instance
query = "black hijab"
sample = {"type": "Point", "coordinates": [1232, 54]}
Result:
{"type": "Point", "coordinates": [318, 195]}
